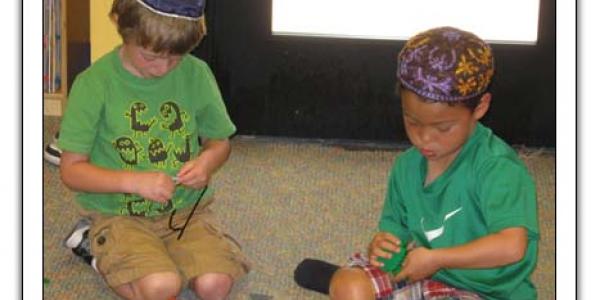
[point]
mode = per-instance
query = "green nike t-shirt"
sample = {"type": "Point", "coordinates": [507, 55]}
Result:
{"type": "Point", "coordinates": [486, 189]}
{"type": "Point", "coordinates": [123, 122]}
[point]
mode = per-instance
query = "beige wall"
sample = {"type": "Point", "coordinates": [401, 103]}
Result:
{"type": "Point", "coordinates": [103, 34]}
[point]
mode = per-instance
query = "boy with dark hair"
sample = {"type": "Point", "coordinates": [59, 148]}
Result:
{"type": "Point", "coordinates": [460, 197]}
{"type": "Point", "coordinates": [129, 142]}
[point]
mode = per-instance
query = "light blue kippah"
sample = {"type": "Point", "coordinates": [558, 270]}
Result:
{"type": "Point", "coordinates": [185, 9]}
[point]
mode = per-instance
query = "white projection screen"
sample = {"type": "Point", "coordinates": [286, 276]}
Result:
{"type": "Point", "coordinates": [496, 21]}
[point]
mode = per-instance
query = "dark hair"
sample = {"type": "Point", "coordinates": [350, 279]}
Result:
{"type": "Point", "coordinates": [470, 103]}
{"type": "Point", "coordinates": [162, 34]}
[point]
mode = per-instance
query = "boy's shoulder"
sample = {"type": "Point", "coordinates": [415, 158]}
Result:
{"type": "Point", "coordinates": [194, 63]}
{"type": "Point", "coordinates": [490, 147]}
{"type": "Point", "coordinates": [194, 59]}
{"type": "Point", "coordinates": [103, 66]}
{"type": "Point", "coordinates": [491, 157]}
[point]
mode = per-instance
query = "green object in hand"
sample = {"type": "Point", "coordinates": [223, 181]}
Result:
{"type": "Point", "coordinates": [393, 265]}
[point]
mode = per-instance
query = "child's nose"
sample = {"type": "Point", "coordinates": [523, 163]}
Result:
{"type": "Point", "coordinates": [161, 67]}
{"type": "Point", "coordinates": [426, 135]}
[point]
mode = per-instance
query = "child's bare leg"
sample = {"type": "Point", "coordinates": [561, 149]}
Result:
{"type": "Point", "coordinates": [351, 284]}
{"type": "Point", "coordinates": [157, 286]}
{"type": "Point", "coordinates": [212, 286]}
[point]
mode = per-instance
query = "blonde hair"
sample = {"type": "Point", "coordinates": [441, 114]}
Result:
{"type": "Point", "coordinates": [161, 34]}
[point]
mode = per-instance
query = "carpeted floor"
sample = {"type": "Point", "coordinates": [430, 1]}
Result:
{"type": "Point", "coordinates": [283, 201]}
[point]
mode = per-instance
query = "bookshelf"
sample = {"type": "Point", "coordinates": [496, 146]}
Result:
{"type": "Point", "coordinates": [55, 56]}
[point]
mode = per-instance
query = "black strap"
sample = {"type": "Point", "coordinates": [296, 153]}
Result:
{"type": "Point", "coordinates": [181, 229]}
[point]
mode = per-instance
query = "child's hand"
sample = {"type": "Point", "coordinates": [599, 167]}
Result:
{"type": "Point", "coordinates": [382, 245]}
{"type": "Point", "coordinates": [193, 174]}
{"type": "Point", "coordinates": [155, 186]}
{"type": "Point", "coordinates": [420, 263]}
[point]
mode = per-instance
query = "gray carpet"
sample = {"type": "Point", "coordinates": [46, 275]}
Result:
{"type": "Point", "coordinates": [283, 201]}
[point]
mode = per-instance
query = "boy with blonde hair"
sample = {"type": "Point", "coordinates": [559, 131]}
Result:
{"type": "Point", "coordinates": [130, 150]}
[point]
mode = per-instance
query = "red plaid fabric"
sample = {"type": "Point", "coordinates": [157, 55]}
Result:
{"type": "Point", "coordinates": [435, 290]}
{"type": "Point", "coordinates": [387, 289]}
{"type": "Point", "coordinates": [384, 286]}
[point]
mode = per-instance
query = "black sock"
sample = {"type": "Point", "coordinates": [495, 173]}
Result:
{"type": "Point", "coordinates": [315, 275]}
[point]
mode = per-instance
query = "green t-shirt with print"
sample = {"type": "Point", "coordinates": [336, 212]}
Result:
{"type": "Point", "coordinates": [124, 122]}
{"type": "Point", "coordinates": [486, 189]}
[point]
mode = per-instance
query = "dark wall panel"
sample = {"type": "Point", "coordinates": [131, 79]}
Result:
{"type": "Point", "coordinates": [344, 88]}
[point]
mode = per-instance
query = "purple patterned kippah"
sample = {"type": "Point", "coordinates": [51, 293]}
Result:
{"type": "Point", "coordinates": [446, 64]}
{"type": "Point", "coordinates": [185, 9]}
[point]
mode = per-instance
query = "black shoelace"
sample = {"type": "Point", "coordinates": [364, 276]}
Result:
{"type": "Point", "coordinates": [182, 229]}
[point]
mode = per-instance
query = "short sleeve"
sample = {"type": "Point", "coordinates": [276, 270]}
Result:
{"type": "Point", "coordinates": [81, 119]}
{"type": "Point", "coordinates": [213, 120]}
{"type": "Point", "coordinates": [507, 196]}
{"type": "Point", "coordinates": [393, 216]}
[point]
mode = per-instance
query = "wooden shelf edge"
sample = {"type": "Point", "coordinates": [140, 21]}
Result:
{"type": "Point", "coordinates": [54, 96]}
{"type": "Point", "coordinates": [53, 104]}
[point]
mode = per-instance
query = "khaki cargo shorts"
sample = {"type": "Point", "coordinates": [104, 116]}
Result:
{"type": "Point", "coordinates": [128, 248]}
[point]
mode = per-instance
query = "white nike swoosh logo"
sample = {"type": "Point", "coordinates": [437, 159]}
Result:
{"type": "Point", "coordinates": [436, 233]}
{"type": "Point", "coordinates": [452, 213]}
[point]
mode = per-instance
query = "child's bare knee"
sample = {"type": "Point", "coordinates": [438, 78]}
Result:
{"type": "Point", "coordinates": [212, 286]}
{"type": "Point", "coordinates": [351, 283]}
{"type": "Point", "coordinates": [159, 285]}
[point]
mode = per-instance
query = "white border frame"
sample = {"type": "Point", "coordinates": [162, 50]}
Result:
{"type": "Point", "coordinates": [32, 204]}
{"type": "Point", "coordinates": [589, 160]}
{"type": "Point", "coordinates": [565, 150]}
{"type": "Point", "coordinates": [11, 148]}
{"type": "Point", "coordinates": [32, 259]}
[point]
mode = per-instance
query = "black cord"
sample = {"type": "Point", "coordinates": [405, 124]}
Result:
{"type": "Point", "coordinates": [181, 229]}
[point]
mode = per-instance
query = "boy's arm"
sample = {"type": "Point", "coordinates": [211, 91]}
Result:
{"type": "Point", "coordinates": [197, 172]}
{"type": "Point", "coordinates": [494, 250]}
{"type": "Point", "coordinates": [80, 175]}
{"type": "Point", "coordinates": [393, 218]}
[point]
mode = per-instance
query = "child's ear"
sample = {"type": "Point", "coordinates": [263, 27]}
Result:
{"type": "Point", "coordinates": [114, 18]}
{"type": "Point", "coordinates": [483, 106]}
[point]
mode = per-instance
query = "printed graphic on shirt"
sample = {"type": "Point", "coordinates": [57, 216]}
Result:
{"type": "Point", "coordinates": [134, 205]}
{"type": "Point", "coordinates": [129, 151]}
{"type": "Point", "coordinates": [164, 148]}
{"type": "Point", "coordinates": [439, 231]}
{"type": "Point", "coordinates": [173, 117]}
{"type": "Point", "coordinates": [181, 154]}
{"type": "Point", "coordinates": [157, 153]}
{"type": "Point", "coordinates": [135, 114]}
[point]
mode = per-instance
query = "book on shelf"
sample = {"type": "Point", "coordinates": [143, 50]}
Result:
{"type": "Point", "coordinates": [52, 47]}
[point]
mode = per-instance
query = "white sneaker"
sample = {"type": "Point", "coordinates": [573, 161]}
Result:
{"type": "Point", "coordinates": [79, 242]}
{"type": "Point", "coordinates": [52, 153]}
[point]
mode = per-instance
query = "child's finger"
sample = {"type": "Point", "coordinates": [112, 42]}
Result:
{"type": "Point", "coordinates": [373, 261]}
{"type": "Point", "coordinates": [379, 252]}
{"type": "Point", "coordinates": [187, 167]}
{"type": "Point", "coordinates": [187, 176]}
{"type": "Point", "coordinates": [392, 238]}
{"type": "Point", "coordinates": [389, 246]}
